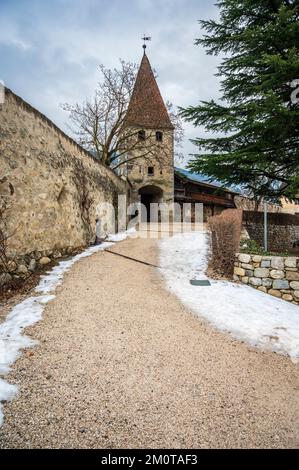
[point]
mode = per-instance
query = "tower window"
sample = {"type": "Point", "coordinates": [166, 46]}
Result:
{"type": "Point", "coordinates": [130, 166]}
{"type": "Point", "coordinates": [141, 135]}
{"type": "Point", "coordinates": [150, 171]}
{"type": "Point", "coordinates": [159, 136]}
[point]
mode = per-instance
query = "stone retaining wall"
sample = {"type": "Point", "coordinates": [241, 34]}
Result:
{"type": "Point", "coordinates": [21, 267]}
{"type": "Point", "coordinates": [275, 275]}
{"type": "Point", "coordinates": [52, 187]}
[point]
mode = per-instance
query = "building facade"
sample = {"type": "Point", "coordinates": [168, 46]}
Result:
{"type": "Point", "coordinates": [191, 188]}
{"type": "Point", "coordinates": [290, 207]}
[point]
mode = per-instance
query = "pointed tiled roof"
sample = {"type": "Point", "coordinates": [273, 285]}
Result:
{"type": "Point", "coordinates": [146, 108]}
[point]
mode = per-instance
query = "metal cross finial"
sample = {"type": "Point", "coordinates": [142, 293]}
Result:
{"type": "Point", "coordinates": [145, 38]}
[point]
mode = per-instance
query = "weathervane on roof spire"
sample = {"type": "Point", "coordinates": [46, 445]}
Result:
{"type": "Point", "coordinates": [145, 38]}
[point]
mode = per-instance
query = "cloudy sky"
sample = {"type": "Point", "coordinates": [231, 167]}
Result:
{"type": "Point", "coordinates": [50, 51]}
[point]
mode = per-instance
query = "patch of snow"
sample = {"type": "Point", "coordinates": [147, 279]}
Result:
{"type": "Point", "coordinates": [246, 313]}
{"type": "Point", "coordinates": [30, 311]}
{"type": "Point", "coordinates": [7, 392]}
{"type": "Point", "coordinates": [12, 340]}
{"type": "Point", "coordinates": [54, 278]}
{"type": "Point", "coordinates": [120, 236]}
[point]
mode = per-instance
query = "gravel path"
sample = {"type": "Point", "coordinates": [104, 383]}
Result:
{"type": "Point", "coordinates": [121, 363]}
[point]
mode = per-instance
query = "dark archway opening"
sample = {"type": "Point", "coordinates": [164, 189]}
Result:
{"type": "Point", "coordinates": [149, 195]}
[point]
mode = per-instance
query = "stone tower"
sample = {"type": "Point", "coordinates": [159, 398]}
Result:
{"type": "Point", "coordinates": [152, 176]}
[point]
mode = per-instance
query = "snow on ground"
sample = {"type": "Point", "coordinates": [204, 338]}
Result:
{"type": "Point", "coordinates": [30, 311]}
{"type": "Point", "coordinates": [54, 278]}
{"type": "Point", "coordinates": [248, 314]}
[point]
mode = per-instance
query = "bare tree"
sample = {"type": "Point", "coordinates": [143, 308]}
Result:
{"type": "Point", "coordinates": [177, 122]}
{"type": "Point", "coordinates": [99, 124]}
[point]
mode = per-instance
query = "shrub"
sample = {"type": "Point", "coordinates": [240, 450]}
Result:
{"type": "Point", "coordinates": [3, 236]}
{"type": "Point", "coordinates": [225, 231]}
{"type": "Point", "coordinates": [252, 247]}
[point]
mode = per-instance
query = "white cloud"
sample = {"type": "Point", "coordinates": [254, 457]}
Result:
{"type": "Point", "coordinates": [11, 36]}
{"type": "Point", "coordinates": [68, 39]}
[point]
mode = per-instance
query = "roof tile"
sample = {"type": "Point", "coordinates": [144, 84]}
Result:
{"type": "Point", "coordinates": [146, 108]}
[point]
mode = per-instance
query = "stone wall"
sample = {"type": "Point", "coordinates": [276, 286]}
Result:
{"type": "Point", "coordinates": [280, 237]}
{"type": "Point", "coordinates": [52, 186]}
{"type": "Point", "coordinates": [275, 275]}
{"type": "Point", "coordinates": [283, 229]}
{"type": "Point", "coordinates": [247, 204]}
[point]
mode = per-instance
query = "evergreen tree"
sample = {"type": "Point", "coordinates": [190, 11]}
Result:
{"type": "Point", "coordinates": [255, 126]}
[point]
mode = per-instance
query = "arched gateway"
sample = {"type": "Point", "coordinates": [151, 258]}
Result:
{"type": "Point", "coordinates": [148, 195]}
